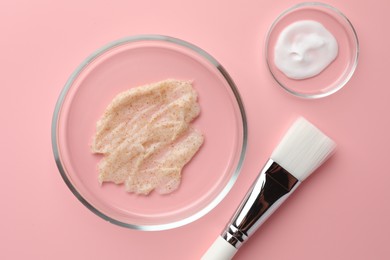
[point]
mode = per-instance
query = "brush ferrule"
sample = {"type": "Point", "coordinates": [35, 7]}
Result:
{"type": "Point", "coordinates": [273, 185]}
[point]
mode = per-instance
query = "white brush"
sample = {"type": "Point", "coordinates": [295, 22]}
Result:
{"type": "Point", "coordinates": [301, 151]}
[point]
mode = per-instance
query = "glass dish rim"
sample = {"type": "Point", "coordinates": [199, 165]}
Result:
{"type": "Point", "coordinates": [137, 38]}
{"type": "Point", "coordinates": [355, 61]}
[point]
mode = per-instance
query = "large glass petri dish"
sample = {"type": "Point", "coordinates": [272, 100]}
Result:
{"type": "Point", "coordinates": [335, 76]}
{"type": "Point", "coordinates": [131, 62]}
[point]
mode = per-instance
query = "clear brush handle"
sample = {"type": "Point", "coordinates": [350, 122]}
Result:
{"type": "Point", "coordinates": [220, 250]}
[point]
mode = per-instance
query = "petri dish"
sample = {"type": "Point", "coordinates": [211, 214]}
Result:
{"type": "Point", "coordinates": [336, 75]}
{"type": "Point", "coordinates": [131, 62]}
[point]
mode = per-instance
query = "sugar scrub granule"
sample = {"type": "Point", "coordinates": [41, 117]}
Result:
{"type": "Point", "coordinates": [146, 138]}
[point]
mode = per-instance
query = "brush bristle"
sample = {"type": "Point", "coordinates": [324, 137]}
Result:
{"type": "Point", "coordinates": [303, 149]}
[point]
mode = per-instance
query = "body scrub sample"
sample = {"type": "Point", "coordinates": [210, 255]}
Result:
{"type": "Point", "coordinates": [146, 137]}
{"type": "Point", "coordinates": [304, 49]}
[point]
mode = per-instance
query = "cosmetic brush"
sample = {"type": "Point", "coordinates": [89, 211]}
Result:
{"type": "Point", "coordinates": [300, 152]}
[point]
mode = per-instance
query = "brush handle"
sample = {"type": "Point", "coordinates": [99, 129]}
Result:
{"type": "Point", "coordinates": [221, 250]}
{"type": "Point", "coordinates": [271, 188]}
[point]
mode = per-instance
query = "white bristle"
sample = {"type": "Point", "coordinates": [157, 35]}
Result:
{"type": "Point", "coordinates": [303, 149]}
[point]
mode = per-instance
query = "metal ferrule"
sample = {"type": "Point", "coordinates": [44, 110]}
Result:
{"type": "Point", "coordinates": [267, 193]}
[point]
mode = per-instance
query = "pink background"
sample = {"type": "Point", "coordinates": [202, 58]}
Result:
{"type": "Point", "coordinates": [341, 212]}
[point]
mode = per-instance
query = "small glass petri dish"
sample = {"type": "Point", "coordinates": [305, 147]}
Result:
{"type": "Point", "coordinates": [131, 62]}
{"type": "Point", "coordinates": [336, 75]}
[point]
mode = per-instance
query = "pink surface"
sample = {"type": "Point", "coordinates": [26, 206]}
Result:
{"type": "Point", "coordinates": [340, 212]}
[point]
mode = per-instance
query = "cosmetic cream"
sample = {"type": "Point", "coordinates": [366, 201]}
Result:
{"type": "Point", "coordinates": [304, 49]}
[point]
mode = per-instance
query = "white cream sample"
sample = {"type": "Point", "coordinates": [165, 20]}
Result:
{"type": "Point", "coordinates": [146, 137]}
{"type": "Point", "coordinates": [304, 49]}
